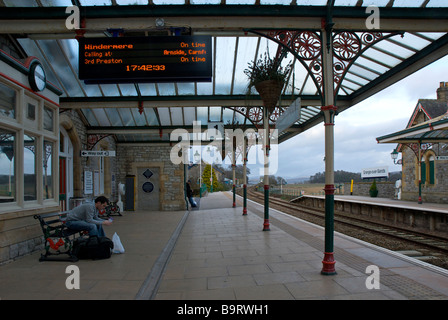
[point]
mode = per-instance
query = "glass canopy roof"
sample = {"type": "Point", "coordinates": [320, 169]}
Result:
{"type": "Point", "coordinates": [365, 60]}
{"type": "Point", "coordinates": [365, 3]}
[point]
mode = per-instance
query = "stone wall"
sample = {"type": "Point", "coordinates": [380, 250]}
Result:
{"type": "Point", "coordinates": [437, 192]}
{"type": "Point", "coordinates": [385, 189]}
{"type": "Point", "coordinates": [171, 175]}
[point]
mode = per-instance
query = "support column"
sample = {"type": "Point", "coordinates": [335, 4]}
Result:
{"type": "Point", "coordinates": [266, 145]}
{"type": "Point", "coordinates": [185, 161]}
{"type": "Point", "coordinates": [420, 201]}
{"type": "Point", "coordinates": [328, 261]}
{"type": "Point", "coordinates": [211, 177]}
{"type": "Point", "coordinates": [233, 176]}
{"type": "Point", "coordinates": [329, 111]}
{"type": "Point", "coordinates": [244, 176]}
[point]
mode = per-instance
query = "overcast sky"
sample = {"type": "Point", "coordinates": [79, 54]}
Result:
{"type": "Point", "coordinates": [357, 128]}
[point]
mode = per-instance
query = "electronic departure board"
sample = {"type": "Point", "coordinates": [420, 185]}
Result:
{"type": "Point", "coordinates": [145, 59]}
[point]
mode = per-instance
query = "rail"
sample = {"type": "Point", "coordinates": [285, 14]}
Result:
{"type": "Point", "coordinates": [434, 242]}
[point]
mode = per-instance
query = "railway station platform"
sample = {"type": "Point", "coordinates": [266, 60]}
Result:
{"type": "Point", "coordinates": [216, 253]}
{"type": "Point", "coordinates": [426, 216]}
{"type": "Point", "coordinates": [386, 202]}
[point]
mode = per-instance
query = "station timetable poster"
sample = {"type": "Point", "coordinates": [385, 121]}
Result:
{"type": "Point", "coordinates": [145, 59]}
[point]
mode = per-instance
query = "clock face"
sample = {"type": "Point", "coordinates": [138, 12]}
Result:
{"type": "Point", "coordinates": [37, 77]}
{"type": "Point", "coordinates": [160, 22]}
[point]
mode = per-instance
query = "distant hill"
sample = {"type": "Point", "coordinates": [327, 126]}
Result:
{"type": "Point", "coordinates": [297, 180]}
{"type": "Point", "coordinates": [340, 177]}
{"type": "Point", "coordinates": [255, 180]}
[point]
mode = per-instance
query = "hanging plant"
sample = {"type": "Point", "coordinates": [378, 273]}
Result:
{"type": "Point", "coordinates": [268, 77]}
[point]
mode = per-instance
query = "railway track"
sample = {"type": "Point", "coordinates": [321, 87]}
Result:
{"type": "Point", "coordinates": [420, 239]}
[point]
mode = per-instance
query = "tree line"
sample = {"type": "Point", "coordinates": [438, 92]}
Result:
{"type": "Point", "coordinates": [341, 176]}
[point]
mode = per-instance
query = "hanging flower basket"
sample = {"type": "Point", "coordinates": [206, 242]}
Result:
{"type": "Point", "coordinates": [270, 91]}
{"type": "Point", "coordinates": [268, 78]}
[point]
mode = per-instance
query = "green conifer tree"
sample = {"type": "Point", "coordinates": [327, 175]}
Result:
{"type": "Point", "coordinates": [206, 178]}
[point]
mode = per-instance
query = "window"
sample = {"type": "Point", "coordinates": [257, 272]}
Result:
{"type": "Point", "coordinates": [7, 101]}
{"type": "Point", "coordinates": [31, 111]}
{"type": "Point", "coordinates": [61, 142]}
{"type": "Point", "coordinates": [48, 172]}
{"type": "Point", "coordinates": [428, 170]}
{"type": "Point", "coordinates": [48, 119]}
{"type": "Point", "coordinates": [29, 160]}
{"type": "Point", "coordinates": [423, 170]}
{"type": "Point", "coordinates": [431, 170]}
{"type": "Point", "coordinates": [28, 150]}
{"type": "Point", "coordinates": [7, 172]}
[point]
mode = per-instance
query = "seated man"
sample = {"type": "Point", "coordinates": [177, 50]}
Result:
{"type": "Point", "coordinates": [190, 194]}
{"type": "Point", "coordinates": [85, 218]}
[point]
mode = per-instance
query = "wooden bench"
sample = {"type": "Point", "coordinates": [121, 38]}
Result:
{"type": "Point", "coordinates": [58, 238]}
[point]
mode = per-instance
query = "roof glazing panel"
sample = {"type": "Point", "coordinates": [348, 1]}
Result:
{"type": "Point", "coordinates": [338, 3]}
{"type": "Point", "coordinates": [232, 54]}
{"type": "Point", "coordinates": [437, 3]}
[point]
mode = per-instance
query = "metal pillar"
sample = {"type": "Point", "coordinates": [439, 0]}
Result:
{"type": "Point", "coordinates": [185, 158]}
{"type": "Point", "coordinates": [244, 176]}
{"type": "Point", "coordinates": [266, 169]}
{"type": "Point", "coordinates": [211, 177]}
{"type": "Point", "coordinates": [329, 111]}
{"type": "Point", "coordinates": [328, 261]}
{"type": "Point", "coordinates": [420, 201]}
{"type": "Point", "coordinates": [233, 176]}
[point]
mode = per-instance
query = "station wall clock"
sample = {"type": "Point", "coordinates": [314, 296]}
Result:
{"type": "Point", "coordinates": [37, 77]}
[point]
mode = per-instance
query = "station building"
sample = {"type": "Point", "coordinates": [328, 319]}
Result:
{"type": "Point", "coordinates": [434, 158]}
{"type": "Point", "coordinates": [43, 167]}
{"type": "Point", "coordinates": [424, 150]}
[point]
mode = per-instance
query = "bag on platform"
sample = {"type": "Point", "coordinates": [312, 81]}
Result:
{"type": "Point", "coordinates": [93, 248]}
{"type": "Point", "coordinates": [118, 246]}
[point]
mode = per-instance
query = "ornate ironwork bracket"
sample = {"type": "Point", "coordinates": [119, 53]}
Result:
{"type": "Point", "coordinates": [306, 46]}
{"type": "Point", "coordinates": [416, 146]}
{"type": "Point", "coordinates": [255, 114]}
{"type": "Point", "coordinates": [93, 139]}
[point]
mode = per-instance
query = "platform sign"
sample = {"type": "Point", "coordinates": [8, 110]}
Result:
{"type": "Point", "coordinates": [289, 117]}
{"type": "Point", "coordinates": [379, 172]}
{"type": "Point", "coordinates": [145, 59]}
{"type": "Point", "coordinates": [101, 153]}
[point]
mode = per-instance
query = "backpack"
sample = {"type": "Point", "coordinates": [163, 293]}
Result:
{"type": "Point", "coordinates": [93, 248]}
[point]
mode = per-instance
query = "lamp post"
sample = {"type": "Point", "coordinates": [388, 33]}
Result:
{"type": "Point", "coordinates": [394, 155]}
{"type": "Point", "coordinates": [197, 158]}
{"type": "Point", "coordinates": [420, 201]}
{"type": "Point", "coordinates": [212, 154]}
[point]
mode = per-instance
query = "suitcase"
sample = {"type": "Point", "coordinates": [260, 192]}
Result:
{"type": "Point", "coordinates": [94, 248]}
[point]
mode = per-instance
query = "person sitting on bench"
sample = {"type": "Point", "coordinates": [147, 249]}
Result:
{"type": "Point", "coordinates": [190, 194]}
{"type": "Point", "coordinates": [85, 218]}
